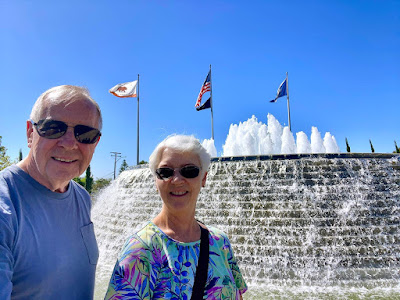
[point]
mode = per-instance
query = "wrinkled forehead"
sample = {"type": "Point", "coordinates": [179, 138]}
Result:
{"type": "Point", "coordinates": [80, 110]}
{"type": "Point", "coordinates": [66, 103]}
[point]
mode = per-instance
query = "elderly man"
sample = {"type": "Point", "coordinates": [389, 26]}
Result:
{"type": "Point", "coordinates": [48, 249]}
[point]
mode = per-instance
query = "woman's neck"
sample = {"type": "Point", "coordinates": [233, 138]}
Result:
{"type": "Point", "coordinates": [180, 228]}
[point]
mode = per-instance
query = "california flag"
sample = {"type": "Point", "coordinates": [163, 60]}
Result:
{"type": "Point", "coordinates": [124, 90]}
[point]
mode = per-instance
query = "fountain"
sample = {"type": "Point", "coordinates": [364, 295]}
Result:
{"type": "Point", "coordinates": [303, 226]}
{"type": "Point", "coordinates": [255, 138]}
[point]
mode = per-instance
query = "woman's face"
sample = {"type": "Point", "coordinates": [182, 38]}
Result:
{"type": "Point", "coordinates": [179, 194]}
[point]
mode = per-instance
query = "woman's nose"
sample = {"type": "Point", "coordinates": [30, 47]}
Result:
{"type": "Point", "coordinates": [176, 177]}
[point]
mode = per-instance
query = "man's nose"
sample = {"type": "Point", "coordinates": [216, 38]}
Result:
{"type": "Point", "coordinates": [68, 140]}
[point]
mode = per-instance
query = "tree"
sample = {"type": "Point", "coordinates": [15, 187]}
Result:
{"type": "Point", "coordinates": [20, 155]}
{"type": "Point", "coordinates": [142, 162]}
{"type": "Point", "coordinates": [99, 184]}
{"type": "Point", "coordinates": [347, 146]}
{"type": "Point", "coordinates": [79, 180]}
{"type": "Point", "coordinates": [372, 147]}
{"type": "Point", "coordinates": [397, 148]}
{"type": "Point", "coordinates": [88, 180]}
{"type": "Point", "coordinates": [124, 166]}
{"type": "Point", "coordinates": [5, 160]}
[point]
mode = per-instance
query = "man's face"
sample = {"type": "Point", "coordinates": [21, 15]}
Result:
{"type": "Point", "coordinates": [54, 162]}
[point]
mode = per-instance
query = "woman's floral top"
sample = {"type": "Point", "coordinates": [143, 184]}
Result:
{"type": "Point", "coordinates": [154, 266]}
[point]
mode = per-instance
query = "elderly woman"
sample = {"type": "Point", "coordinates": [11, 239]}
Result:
{"type": "Point", "coordinates": [165, 259]}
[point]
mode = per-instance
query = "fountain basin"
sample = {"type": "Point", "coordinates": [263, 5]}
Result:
{"type": "Point", "coordinates": [310, 226]}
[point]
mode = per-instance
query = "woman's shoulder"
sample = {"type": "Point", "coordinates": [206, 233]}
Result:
{"type": "Point", "coordinates": [140, 241]}
{"type": "Point", "coordinates": [141, 235]}
{"type": "Point", "coordinates": [144, 232]}
{"type": "Point", "coordinates": [217, 233]}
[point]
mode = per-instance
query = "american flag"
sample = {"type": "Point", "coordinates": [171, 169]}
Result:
{"type": "Point", "coordinates": [206, 87]}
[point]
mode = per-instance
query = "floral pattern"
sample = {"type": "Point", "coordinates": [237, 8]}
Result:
{"type": "Point", "coordinates": [154, 266]}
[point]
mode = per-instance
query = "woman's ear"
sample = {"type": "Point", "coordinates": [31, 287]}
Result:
{"type": "Point", "coordinates": [203, 181]}
{"type": "Point", "coordinates": [155, 185]}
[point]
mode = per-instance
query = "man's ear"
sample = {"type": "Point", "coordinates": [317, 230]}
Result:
{"type": "Point", "coordinates": [29, 133]}
{"type": "Point", "coordinates": [98, 140]}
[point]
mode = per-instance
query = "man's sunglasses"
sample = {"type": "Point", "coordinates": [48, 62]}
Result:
{"type": "Point", "coordinates": [52, 129]}
{"type": "Point", "coordinates": [187, 172]}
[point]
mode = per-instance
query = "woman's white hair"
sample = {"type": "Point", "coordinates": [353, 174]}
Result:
{"type": "Point", "coordinates": [60, 94]}
{"type": "Point", "coordinates": [182, 143]}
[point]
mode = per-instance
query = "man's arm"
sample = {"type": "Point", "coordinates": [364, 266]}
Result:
{"type": "Point", "coordinates": [6, 259]}
{"type": "Point", "coordinates": [7, 237]}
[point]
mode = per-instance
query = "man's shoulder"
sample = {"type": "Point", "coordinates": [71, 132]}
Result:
{"type": "Point", "coordinates": [13, 178]}
{"type": "Point", "coordinates": [9, 172]}
{"type": "Point", "coordinates": [8, 204]}
{"type": "Point", "coordinates": [7, 182]}
{"type": "Point", "coordinates": [80, 192]}
{"type": "Point", "coordinates": [77, 187]}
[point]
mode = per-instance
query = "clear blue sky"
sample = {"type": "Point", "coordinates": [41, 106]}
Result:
{"type": "Point", "coordinates": [342, 58]}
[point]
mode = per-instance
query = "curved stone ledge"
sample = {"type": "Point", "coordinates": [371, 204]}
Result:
{"type": "Point", "coordinates": [300, 156]}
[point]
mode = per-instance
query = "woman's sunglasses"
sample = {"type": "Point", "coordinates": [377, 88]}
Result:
{"type": "Point", "coordinates": [52, 129]}
{"type": "Point", "coordinates": [187, 172]}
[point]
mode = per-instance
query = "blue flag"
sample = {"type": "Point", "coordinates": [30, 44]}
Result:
{"type": "Point", "coordinates": [281, 91]}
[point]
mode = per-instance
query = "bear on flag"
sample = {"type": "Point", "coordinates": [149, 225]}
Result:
{"type": "Point", "coordinates": [124, 90]}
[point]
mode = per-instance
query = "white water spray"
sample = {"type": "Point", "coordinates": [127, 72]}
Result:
{"type": "Point", "coordinates": [256, 138]}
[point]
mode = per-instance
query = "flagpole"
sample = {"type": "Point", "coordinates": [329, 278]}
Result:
{"type": "Point", "coordinates": [287, 93]}
{"type": "Point", "coordinates": [211, 104]}
{"type": "Point", "coordinates": [137, 151]}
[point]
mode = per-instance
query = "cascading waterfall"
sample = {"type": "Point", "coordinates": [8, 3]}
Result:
{"type": "Point", "coordinates": [313, 226]}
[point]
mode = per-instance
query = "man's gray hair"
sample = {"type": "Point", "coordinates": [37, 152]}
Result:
{"type": "Point", "coordinates": [184, 144]}
{"type": "Point", "coordinates": [60, 94]}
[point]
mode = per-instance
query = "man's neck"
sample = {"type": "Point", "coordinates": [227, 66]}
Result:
{"type": "Point", "coordinates": [25, 166]}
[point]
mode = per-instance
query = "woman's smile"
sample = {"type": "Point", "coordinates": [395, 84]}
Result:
{"type": "Point", "coordinates": [179, 193]}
